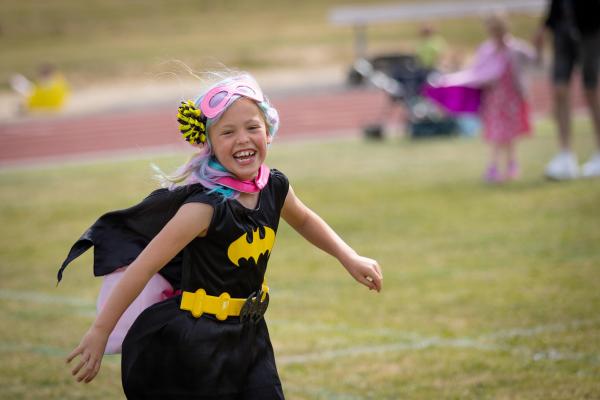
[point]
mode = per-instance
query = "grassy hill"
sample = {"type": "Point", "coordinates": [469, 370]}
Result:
{"type": "Point", "coordinates": [106, 40]}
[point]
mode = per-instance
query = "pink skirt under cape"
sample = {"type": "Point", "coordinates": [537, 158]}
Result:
{"type": "Point", "coordinates": [157, 289]}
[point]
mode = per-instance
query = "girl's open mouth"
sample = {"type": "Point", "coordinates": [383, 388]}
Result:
{"type": "Point", "coordinates": [244, 155]}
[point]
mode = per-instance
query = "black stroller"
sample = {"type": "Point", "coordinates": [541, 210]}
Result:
{"type": "Point", "coordinates": [402, 78]}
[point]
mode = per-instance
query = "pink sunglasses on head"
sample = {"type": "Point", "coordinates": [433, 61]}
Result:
{"type": "Point", "coordinates": [215, 101]}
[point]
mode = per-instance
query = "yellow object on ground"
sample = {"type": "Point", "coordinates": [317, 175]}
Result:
{"type": "Point", "coordinates": [51, 94]}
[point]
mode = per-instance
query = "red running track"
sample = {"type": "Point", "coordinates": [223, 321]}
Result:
{"type": "Point", "coordinates": [316, 114]}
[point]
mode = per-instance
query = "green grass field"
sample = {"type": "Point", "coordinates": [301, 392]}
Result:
{"type": "Point", "coordinates": [490, 292]}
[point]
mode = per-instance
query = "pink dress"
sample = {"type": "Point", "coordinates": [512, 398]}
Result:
{"type": "Point", "coordinates": [504, 111]}
{"type": "Point", "coordinates": [497, 73]}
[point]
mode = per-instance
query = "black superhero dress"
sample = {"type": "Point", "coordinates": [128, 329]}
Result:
{"type": "Point", "coordinates": [168, 353]}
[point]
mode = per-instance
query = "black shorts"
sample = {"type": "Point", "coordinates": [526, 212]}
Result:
{"type": "Point", "coordinates": [568, 51]}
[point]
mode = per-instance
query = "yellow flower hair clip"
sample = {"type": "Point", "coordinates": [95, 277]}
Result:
{"type": "Point", "coordinates": [192, 124]}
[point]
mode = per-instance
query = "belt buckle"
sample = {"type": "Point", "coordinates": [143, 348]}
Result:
{"type": "Point", "coordinates": [254, 307]}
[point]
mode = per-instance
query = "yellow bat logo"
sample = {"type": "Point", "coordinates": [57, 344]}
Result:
{"type": "Point", "coordinates": [251, 246]}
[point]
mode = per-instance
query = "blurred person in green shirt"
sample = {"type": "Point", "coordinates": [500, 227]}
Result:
{"type": "Point", "coordinates": [430, 48]}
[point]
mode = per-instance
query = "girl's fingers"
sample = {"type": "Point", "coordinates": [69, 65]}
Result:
{"type": "Point", "coordinates": [89, 361]}
{"type": "Point", "coordinates": [374, 266]}
{"type": "Point", "coordinates": [374, 281]}
{"type": "Point", "coordinates": [378, 275]}
{"type": "Point", "coordinates": [87, 372]}
{"type": "Point", "coordinates": [82, 362]}
{"type": "Point", "coordinates": [378, 286]}
{"type": "Point", "coordinates": [74, 353]}
{"type": "Point", "coordinates": [369, 282]}
{"type": "Point", "coordinates": [94, 372]}
{"type": "Point", "coordinates": [379, 272]}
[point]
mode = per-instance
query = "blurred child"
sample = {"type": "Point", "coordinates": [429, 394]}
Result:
{"type": "Point", "coordinates": [430, 47]}
{"type": "Point", "coordinates": [210, 235]}
{"type": "Point", "coordinates": [49, 91]}
{"type": "Point", "coordinates": [494, 88]}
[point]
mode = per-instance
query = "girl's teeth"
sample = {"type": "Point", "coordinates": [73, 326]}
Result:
{"type": "Point", "coordinates": [244, 154]}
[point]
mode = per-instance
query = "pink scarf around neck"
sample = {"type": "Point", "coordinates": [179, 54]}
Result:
{"type": "Point", "coordinates": [249, 186]}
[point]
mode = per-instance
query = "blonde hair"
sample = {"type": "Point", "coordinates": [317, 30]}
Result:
{"type": "Point", "coordinates": [497, 19]}
{"type": "Point", "coordinates": [203, 167]}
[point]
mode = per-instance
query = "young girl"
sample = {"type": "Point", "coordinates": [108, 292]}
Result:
{"type": "Point", "coordinates": [495, 83]}
{"type": "Point", "coordinates": [210, 235]}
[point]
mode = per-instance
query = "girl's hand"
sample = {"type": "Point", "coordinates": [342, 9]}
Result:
{"type": "Point", "coordinates": [91, 350]}
{"type": "Point", "coordinates": [365, 271]}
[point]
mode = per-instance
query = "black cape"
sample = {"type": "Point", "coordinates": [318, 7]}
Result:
{"type": "Point", "coordinates": [118, 237]}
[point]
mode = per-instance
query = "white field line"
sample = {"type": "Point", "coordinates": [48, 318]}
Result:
{"type": "Point", "coordinates": [478, 343]}
{"type": "Point", "coordinates": [42, 298]}
{"type": "Point", "coordinates": [434, 342]}
{"type": "Point", "coordinates": [410, 342]}
{"type": "Point", "coordinates": [537, 330]}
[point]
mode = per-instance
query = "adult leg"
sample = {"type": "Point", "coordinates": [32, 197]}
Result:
{"type": "Point", "coordinates": [562, 114]}
{"type": "Point", "coordinates": [564, 164]}
{"type": "Point", "coordinates": [593, 100]}
{"type": "Point", "coordinates": [590, 63]}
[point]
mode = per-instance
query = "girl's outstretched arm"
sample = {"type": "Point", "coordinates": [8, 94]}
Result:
{"type": "Point", "coordinates": [316, 231]}
{"type": "Point", "coordinates": [190, 221]}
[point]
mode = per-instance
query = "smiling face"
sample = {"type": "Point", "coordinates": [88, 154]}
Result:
{"type": "Point", "coordinates": [239, 139]}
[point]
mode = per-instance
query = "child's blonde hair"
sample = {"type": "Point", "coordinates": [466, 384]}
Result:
{"type": "Point", "coordinates": [203, 167]}
{"type": "Point", "coordinates": [497, 20]}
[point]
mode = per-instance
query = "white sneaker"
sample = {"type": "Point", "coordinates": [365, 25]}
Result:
{"type": "Point", "coordinates": [592, 167]}
{"type": "Point", "coordinates": [563, 167]}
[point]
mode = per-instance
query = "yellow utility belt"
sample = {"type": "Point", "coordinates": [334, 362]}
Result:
{"type": "Point", "coordinates": [224, 305]}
